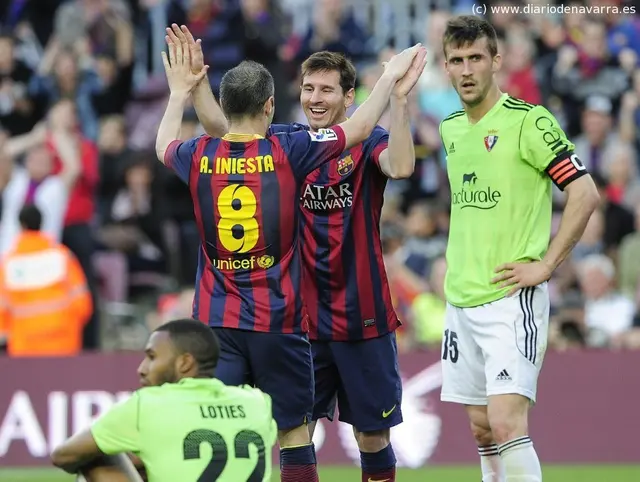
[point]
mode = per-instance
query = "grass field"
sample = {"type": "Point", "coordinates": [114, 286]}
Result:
{"type": "Point", "coordinates": [599, 473]}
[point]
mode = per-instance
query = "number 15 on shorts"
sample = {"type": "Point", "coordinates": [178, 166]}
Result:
{"type": "Point", "coordinates": [450, 346]}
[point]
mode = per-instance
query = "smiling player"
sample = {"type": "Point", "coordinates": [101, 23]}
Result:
{"type": "Point", "coordinates": [353, 321]}
{"type": "Point", "coordinates": [503, 157]}
{"type": "Point", "coordinates": [245, 189]}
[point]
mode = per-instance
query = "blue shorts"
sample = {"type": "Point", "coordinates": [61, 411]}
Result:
{"type": "Point", "coordinates": [363, 377]}
{"type": "Point", "coordinates": [278, 364]}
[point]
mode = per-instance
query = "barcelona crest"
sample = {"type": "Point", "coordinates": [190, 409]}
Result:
{"type": "Point", "coordinates": [489, 142]}
{"type": "Point", "coordinates": [345, 165]}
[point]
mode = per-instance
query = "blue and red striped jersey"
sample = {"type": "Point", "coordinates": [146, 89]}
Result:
{"type": "Point", "coordinates": [245, 192]}
{"type": "Point", "coordinates": [345, 282]}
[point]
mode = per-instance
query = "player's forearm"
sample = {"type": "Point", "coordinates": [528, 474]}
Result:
{"type": "Point", "coordinates": [579, 207]}
{"type": "Point", "coordinates": [360, 125]}
{"type": "Point", "coordinates": [169, 129]}
{"type": "Point", "coordinates": [401, 152]}
{"type": "Point", "coordinates": [209, 112]}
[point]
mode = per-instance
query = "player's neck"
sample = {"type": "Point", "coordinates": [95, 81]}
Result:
{"type": "Point", "coordinates": [248, 127]}
{"type": "Point", "coordinates": [477, 112]}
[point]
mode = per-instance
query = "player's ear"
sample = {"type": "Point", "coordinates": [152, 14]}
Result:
{"type": "Point", "coordinates": [185, 363]}
{"type": "Point", "coordinates": [497, 63]}
{"type": "Point", "coordinates": [269, 106]}
{"type": "Point", "coordinates": [349, 98]}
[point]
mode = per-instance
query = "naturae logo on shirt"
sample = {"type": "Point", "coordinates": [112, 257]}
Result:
{"type": "Point", "coordinates": [475, 194]}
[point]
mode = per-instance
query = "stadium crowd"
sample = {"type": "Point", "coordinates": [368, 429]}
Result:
{"type": "Point", "coordinates": [82, 91]}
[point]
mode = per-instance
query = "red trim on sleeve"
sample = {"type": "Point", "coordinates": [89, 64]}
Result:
{"type": "Point", "coordinates": [170, 153]}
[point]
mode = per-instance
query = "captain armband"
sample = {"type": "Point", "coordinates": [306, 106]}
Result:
{"type": "Point", "coordinates": [565, 169]}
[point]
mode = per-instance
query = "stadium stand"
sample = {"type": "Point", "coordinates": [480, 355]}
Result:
{"type": "Point", "coordinates": [129, 220]}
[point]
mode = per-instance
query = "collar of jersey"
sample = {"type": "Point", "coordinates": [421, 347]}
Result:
{"type": "Point", "coordinates": [234, 137]}
{"type": "Point", "coordinates": [200, 381]}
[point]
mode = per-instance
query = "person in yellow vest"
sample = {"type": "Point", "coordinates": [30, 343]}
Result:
{"type": "Point", "coordinates": [44, 299]}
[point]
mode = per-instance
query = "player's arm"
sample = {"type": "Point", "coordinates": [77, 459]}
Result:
{"type": "Point", "coordinates": [360, 125]}
{"type": "Point", "coordinates": [547, 148]}
{"type": "Point", "coordinates": [207, 109]}
{"type": "Point", "coordinates": [115, 432]}
{"type": "Point", "coordinates": [169, 129]}
{"type": "Point", "coordinates": [182, 82]}
{"type": "Point", "coordinates": [398, 160]}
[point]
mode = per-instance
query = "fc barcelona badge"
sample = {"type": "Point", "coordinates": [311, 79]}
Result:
{"type": "Point", "coordinates": [345, 165]}
{"type": "Point", "coordinates": [489, 142]}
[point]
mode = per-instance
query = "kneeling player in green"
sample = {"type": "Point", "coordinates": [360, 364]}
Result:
{"type": "Point", "coordinates": [184, 424]}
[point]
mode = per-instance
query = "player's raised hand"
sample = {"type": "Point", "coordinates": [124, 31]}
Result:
{"type": "Point", "coordinates": [399, 64]}
{"type": "Point", "coordinates": [178, 68]}
{"type": "Point", "coordinates": [521, 275]}
{"type": "Point", "coordinates": [410, 79]}
{"type": "Point", "coordinates": [182, 35]}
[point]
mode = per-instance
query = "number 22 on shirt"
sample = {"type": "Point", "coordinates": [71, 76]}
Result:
{"type": "Point", "coordinates": [238, 228]}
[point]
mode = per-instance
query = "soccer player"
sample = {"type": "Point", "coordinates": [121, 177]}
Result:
{"type": "Point", "coordinates": [246, 190]}
{"type": "Point", "coordinates": [353, 321]}
{"type": "Point", "coordinates": [180, 410]}
{"type": "Point", "coordinates": [503, 157]}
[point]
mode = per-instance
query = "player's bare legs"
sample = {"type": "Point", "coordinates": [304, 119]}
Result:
{"type": "Point", "coordinates": [508, 419]}
{"type": "Point", "coordinates": [490, 461]}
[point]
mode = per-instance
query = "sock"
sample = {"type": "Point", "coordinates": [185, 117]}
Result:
{"type": "Point", "coordinates": [521, 463]}
{"type": "Point", "coordinates": [378, 466]}
{"type": "Point", "coordinates": [491, 464]}
{"type": "Point", "coordinates": [298, 464]}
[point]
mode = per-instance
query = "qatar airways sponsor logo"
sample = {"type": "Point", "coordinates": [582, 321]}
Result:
{"type": "Point", "coordinates": [327, 198]}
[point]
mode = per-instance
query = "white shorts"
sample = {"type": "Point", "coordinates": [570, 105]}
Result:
{"type": "Point", "coordinates": [495, 349]}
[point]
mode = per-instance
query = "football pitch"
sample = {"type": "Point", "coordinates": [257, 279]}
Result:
{"type": "Point", "coordinates": [583, 473]}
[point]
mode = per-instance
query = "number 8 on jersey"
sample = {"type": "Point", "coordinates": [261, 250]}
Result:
{"type": "Point", "coordinates": [238, 229]}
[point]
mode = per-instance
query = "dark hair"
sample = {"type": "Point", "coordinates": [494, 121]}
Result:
{"type": "Point", "coordinates": [466, 29]}
{"type": "Point", "coordinates": [326, 61]}
{"type": "Point", "coordinates": [244, 90]}
{"type": "Point", "coordinates": [30, 217]}
{"type": "Point", "coordinates": [197, 339]}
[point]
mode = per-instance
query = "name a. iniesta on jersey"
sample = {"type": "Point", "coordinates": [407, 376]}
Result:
{"type": "Point", "coordinates": [237, 165]}
{"type": "Point", "coordinates": [222, 411]}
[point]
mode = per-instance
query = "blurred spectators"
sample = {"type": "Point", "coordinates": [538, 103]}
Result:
{"type": "Point", "coordinates": [82, 90]}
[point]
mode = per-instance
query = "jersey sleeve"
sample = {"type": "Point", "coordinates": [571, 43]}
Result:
{"type": "Point", "coordinates": [545, 146]}
{"type": "Point", "coordinates": [308, 150]}
{"type": "Point", "coordinates": [118, 430]}
{"type": "Point", "coordinates": [379, 140]}
{"type": "Point", "coordinates": [179, 157]}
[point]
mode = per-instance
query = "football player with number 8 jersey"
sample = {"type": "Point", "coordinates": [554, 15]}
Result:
{"type": "Point", "coordinates": [245, 190]}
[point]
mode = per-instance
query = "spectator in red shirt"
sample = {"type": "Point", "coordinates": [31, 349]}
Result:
{"type": "Point", "coordinates": [77, 234]}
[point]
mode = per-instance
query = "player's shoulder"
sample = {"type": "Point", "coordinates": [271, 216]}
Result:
{"type": "Point", "coordinates": [283, 129]}
{"type": "Point", "coordinates": [249, 394]}
{"type": "Point", "coordinates": [453, 118]}
{"type": "Point", "coordinates": [514, 107]}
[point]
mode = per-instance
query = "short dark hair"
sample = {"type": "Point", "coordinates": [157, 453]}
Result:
{"type": "Point", "coordinates": [197, 339]}
{"type": "Point", "coordinates": [326, 61]}
{"type": "Point", "coordinates": [30, 217]}
{"type": "Point", "coordinates": [244, 90]}
{"type": "Point", "coordinates": [466, 29]}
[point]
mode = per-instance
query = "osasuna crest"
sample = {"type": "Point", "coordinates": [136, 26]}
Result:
{"type": "Point", "coordinates": [345, 165]}
{"type": "Point", "coordinates": [489, 142]}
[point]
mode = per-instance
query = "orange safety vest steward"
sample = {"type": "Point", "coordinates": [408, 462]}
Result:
{"type": "Point", "coordinates": [44, 299]}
